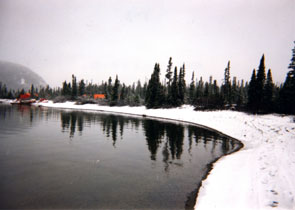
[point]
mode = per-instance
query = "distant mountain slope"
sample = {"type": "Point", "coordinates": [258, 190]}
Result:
{"type": "Point", "coordinates": [16, 76]}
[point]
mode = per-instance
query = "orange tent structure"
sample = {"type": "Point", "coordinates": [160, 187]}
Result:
{"type": "Point", "coordinates": [99, 96]}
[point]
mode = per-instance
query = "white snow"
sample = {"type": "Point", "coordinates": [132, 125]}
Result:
{"type": "Point", "coordinates": [260, 176]}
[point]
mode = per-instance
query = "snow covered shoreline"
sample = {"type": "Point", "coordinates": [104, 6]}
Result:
{"type": "Point", "coordinates": [260, 176]}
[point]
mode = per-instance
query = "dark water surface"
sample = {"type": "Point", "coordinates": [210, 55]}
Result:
{"type": "Point", "coordinates": [57, 159]}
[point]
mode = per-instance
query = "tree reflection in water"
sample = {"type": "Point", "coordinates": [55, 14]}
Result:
{"type": "Point", "coordinates": [164, 162]}
{"type": "Point", "coordinates": [158, 134]}
{"type": "Point", "coordinates": [162, 138]}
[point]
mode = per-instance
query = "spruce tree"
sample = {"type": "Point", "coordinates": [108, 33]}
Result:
{"type": "Point", "coordinates": [69, 89]}
{"type": "Point", "coordinates": [175, 90]}
{"type": "Point", "coordinates": [234, 91]}
{"type": "Point", "coordinates": [260, 82]}
{"type": "Point", "coordinates": [105, 89]}
{"type": "Point", "coordinates": [123, 93]}
{"type": "Point", "coordinates": [138, 89]}
{"type": "Point", "coordinates": [169, 81]}
{"type": "Point", "coordinates": [210, 86]}
{"type": "Point", "coordinates": [154, 95]}
{"type": "Point", "coordinates": [74, 87]}
{"type": "Point", "coordinates": [206, 96]}
{"type": "Point", "coordinates": [169, 73]}
{"type": "Point", "coordinates": [216, 95]}
{"type": "Point", "coordinates": [182, 85]}
{"type": "Point", "coordinates": [200, 92]}
{"type": "Point", "coordinates": [287, 94]}
{"type": "Point", "coordinates": [227, 85]}
{"type": "Point", "coordinates": [66, 89]}
{"type": "Point", "coordinates": [252, 94]}
{"type": "Point", "coordinates": [32, 91]}
{"type": "Point", "coordinates": [241, 96]}
{"type": "Point", "coordinates": [268, 95]}
{"type": "Point", "coordinates": [81, 88]}
{"type": "Point", "coordinates": [109, 88]}
{"type": "Point", "coordinates": [292, 64]}
{"type": "Point", "coordinates": [192, 89]}
{"type": "Point", "coordinates": [4, 91]}
{"type": "Point", "coordinates": [115, 92]}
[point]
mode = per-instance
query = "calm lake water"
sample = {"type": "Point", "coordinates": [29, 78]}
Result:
{"type": "Point", "coordinates": [59, 159]}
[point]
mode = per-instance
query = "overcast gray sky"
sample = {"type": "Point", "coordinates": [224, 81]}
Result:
{"type": "Point", "coordinates": [95, 39]}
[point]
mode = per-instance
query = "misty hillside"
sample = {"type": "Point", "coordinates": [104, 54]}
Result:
{"type": "Point", "coordinates": [16, 76]}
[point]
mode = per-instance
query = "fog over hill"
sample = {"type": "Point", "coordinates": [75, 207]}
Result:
{"type": "Point", "coordinates": [16, 76]}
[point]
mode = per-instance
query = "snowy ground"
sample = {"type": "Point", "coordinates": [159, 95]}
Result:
{"type": "Point", "coordinates": [260, 176]}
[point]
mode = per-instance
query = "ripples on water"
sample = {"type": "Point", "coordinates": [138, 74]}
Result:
{"type": "Point", "coordinates": [67, 159]}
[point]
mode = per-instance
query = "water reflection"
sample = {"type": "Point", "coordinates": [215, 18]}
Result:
{"type": "Point", "coordinates": [163, 162]}
{"type": "Point", "coordinates": [159, 135]}
{"type": "Point", "coordinates": [168, 137]}
{"type": "Point", "coordinates": [19, 118]}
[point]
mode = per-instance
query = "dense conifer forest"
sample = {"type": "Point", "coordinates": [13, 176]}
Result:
{"type": "Point", "coordinates": [259, 95]}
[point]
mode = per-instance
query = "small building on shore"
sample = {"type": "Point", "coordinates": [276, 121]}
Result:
{"type": "Point", "coordinates": [99, 96]}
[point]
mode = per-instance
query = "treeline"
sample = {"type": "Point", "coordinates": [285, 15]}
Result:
{"type": "Point", "coordinates": [116, 94]}
{"type": "Point", "coordinates": [41, 92]}
{"type": "Point", "coordinates": [260, 95]}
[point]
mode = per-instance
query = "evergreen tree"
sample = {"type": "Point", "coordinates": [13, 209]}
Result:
{"type": "Point", "coordinates": [182, 85]}
{"type": "Point", "coordinates": [227, 85]}
{"type": "Point", "coordinates": [292, 64]}
{"type": "Point", "coordinates": [234, 91]}
{"type": "Point", "coordinates": [252, 94]}
{"type": "Point", "coordinates": [138, 89]}
{"type": "Point", "coordinates": [192, 89]}
{"type": "Point", "coordinates": [123, 93]}
{"type": "Point", "coordinates": [260, 82]}
{"type": "Point", "coordinates": [206, 96]}
{"type": "Point", "coordinates": [200, 92]}
{"type": "Point", "coordinates": [81, 88]}
{"type": "Point", "coordinates": [175, 90]}
{"type": "Point", "coordinates": [268, 95]}
{"type": "Point", "coordinates": [169, 73]}
{"type": "Point", "coordinates": [105, 89]}
{"type": "Point", "coordinates": [241, 96]}
{"type": "Point", "coordinates": [287, 94]}
{"type": "Point", "coordinates": [154, 94]}
{"type": "Point", "coordinates": [169, 81]}
{"type": "Point", "coordinates": [115, 91]}
{"type": "Point", "coordinates": [64, 86]}
{"type": "Point", "coordinates": [210, 86]}
{"type": "Point", "coordinates": [22, 91]}
{"type": "Point", "coordinates": [32, 91]}
{"type": "Point", "coordinates": [4, 91]}
{"type": "Point", "coordinates": [144, 90]}
{"type": "Point", "coordinates": [217, 102]}
{"type": "Point", "coordinates": [109, 89]}
{"type": "Point", "coordinates": [66, 89]}
{"type": "Point", "coordinates": [10, 95]}
{"type": "Point", "coordinates": [69, 89]}
{"type": "Point", "coordinates": [74, 87]}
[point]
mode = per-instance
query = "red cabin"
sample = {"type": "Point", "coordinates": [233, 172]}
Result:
{"type": "Point", "coordinates": [99, 96]}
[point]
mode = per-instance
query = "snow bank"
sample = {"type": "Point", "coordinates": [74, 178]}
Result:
{"type": "Point", "coordinates": [260, 176]}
